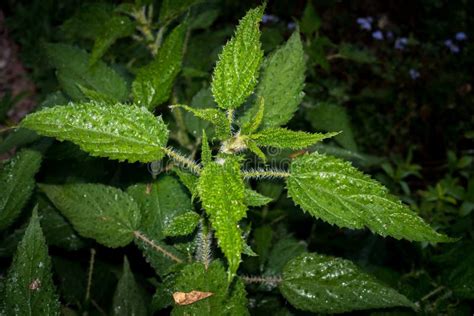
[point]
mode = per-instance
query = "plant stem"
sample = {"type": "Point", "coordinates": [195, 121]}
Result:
{"type": "Point", "coordinates": [270, 280]}
{"type": "Point", "coordinates": [89, 276]}
{"type": "Point", "coordinates": [150, 242]}
{"type": "Point", "coordinates": [259, 174]}
{"type": "Point", "coordinates": [182, 160]}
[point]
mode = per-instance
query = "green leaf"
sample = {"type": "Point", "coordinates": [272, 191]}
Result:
{"type": "Point", "coordinates": [161, 202]}
{"type": "Point", "coordinates": [164, 258]}
{"type": "Point", "coordinates": [215, 116]}
{"type": "Point", "coordinates": [253, 198]}
{"type": "Point", "coordinates": [283, 138]}
{"type": "Point", "coordinates": [333, 117]}
{"type": "Point", "coordinates": [225, 300]}
{"type": "Point", "coordinates": [236, 71]}
{"type": "Point", "coordinates": [154, 82]}
{"type": "Point", "coordinates": [128, 298]}
{"type": "Point", "coordinates": [206, 152]}
{"type": "Point", "coordinates": [29, 285]}
{"type": "Point", "coordinates": [182, 225]}
{"type": "Point", "coordinates": [333, 190]}
{"type": "Point", "coordinates": [189, 180]}
{"type": "Point", "coordinates": [281, 84]}
{"type": "Point", "coordinates": [88, 21]}
{"type": "Point", "coordinates": [324, 284]}
{"type": "Point", "coordinates": [254, 123]}
{"type": "Point", "coordinates": [222, 193]}
{"type": "Point", "coordinates": [310, 21]}
{"type": "Point", "coordinates": [203, 99]}
{"type": "Point", "coordinates": [171, 9]}
{"type": "Point", "coordinates": [115, 27]}
{"type": "Point", "coordinates": [57, 230]}
{"type": "Point", "coordinates": [17, 181]}
{"type": "Point", "coordinates": [96, 211]}
{"type": "Point", "coordinates": [283, 251]}
{"type": "Point", "coordinates": [123, 132]}
{"type": "Point", "coordinates": [73, 69]}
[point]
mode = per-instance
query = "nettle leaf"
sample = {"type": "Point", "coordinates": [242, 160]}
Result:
{"type": "Point", "coordinates": [17, 181]}
{"type": "Point", "coordinates": [97, 211]}
{"type": "Point", "coordinates": [254, 123]}
{"type": "Point", "coordinates": [253, 198]}
{"type": "Point", "coordinates": [222, 192]}
{"type": "Point", "coordinates": [333, 117]}
{"type": "Point", "coordinates": [182, 225]}
{"type": "Point", "coordinates": [116, 131]}
{"type": "Point", "coordinates": [281, 84]}
{"type": "Point", "coordinates": [57, 230]}
{"type": "Point", "coordinates": [236, 71]}
{"type": "Point", "coordinates": [214, 116]}
{"type": "Point", "coordinates": [324, 284]}
{"type": "Point", "coordinates": [283, 251]}
{"type": "Point", "coordinates": [283, 138]}
{"type": "Point", "coordinates": [201, 100]}
{"type": "Point", "coordinates": [225, 299]}
{"type": "Point", "coordinates": [29, 286]}
{"type": "Point", "coordinates": [73, 69]}
{"type": "Point", "coordinates": [336, 192]}
{"type": "Point", "coordinates": [161, 203]}
{"type": "Point", "coordinates": [115, 27]}
{"type": "Point", "coordinates": [154, 82]}
{"type": "Point", "coordinates": [128, 298]}
{"type": "Point", "coordinates": [189, 180]}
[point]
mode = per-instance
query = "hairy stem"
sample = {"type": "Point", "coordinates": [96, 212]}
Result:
{"type": "Point", "coordinates": [264, 174]}
{"type": "Point", "coordinates": [204, 240]}
{"type": "Point", "coordinates": [89, 275]}
{"type": "Point", "coordinates": [182, 160]}
{"type": "Point", "coordinates": [270, 280]}
{"type": "Point", "coordinates": [150, 242]}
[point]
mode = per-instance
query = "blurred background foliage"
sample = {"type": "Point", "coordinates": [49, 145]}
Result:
{"type": "Point", "coordinates": [394, 76]}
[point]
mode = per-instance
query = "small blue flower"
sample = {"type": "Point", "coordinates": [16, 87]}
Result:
{"type": "Point", "coordinates": [365, 23]}
{"type": "Point", "coordinates": [291, 25]}
{"type": "Point", "coordinates": [452, 47]}
{"type": "Point", "coordinates": [401, 43]}
{"type": "Point", "coordinates": [268, 18]}
{"type": "Point", "coordinates": [378, 35]}
{"type": "Point", "coordinates": [461, 36]}
{"type": "Point", "coordinates": [414, 74]}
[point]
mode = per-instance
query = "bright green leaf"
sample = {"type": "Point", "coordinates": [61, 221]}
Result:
{"type": "Point", "coordinates": [236, 71]}
{"type": "Point", "coordinates": [182, 225]}
{"type": "Point", "coordinates": [154, 82]}
{"type": "Point", "coordinates": [222, 193]}
{"type": "Point", "coordinates": [123, 132]}
{"type": "Point", "coordinates": [17, 181]}
{"type": "Point", "coordinates": [324, 284]}
{"type": "Point", "coordinates": [29, 285]}
{"type": "Point", "coordinates": [115, 27]}
{"type": "Point", "coordinates": [96, 211]}
{"type": "Point", "coordinates": [73, 69]}
{"type": "Point", "coordinates": [161, 202]}
{"type": "Point", "coordinates": [201, 100]}
{"type": "Point", "coordinates": [206, 152]}
{"type": "Point", "coordinates": [215, 116]}
{"type": "Point", "coordinates": [283, 138]}
{"type": "Point", "coordinates": [253, 198]}
{"type": "Point", "coordinates": [281, 84]}
{"type": "Point", "coordinates": [189, 180]}
{"type": "Point", "coordinates": [225, 300]}
{"type": "Point", "coordinates": [333, 190]}
{"type": "Point", "coordinates": [254, 123]}
{"type": "Point", "coordinates": [128, 298]}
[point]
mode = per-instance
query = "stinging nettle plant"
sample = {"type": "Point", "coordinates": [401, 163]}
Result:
{"type": "Point", "coordinates": [194, 280]}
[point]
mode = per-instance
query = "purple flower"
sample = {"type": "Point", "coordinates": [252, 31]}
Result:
{"type": "Point", "coordinates": [378, 35]}
{"type": "Point", "coordinates": [401, 43]}
{"type": "Point", "coordinates": [461, 36]}
{"type": "Point", "coordinates": [452, 47]}
{"type": "Point", "coordinates": [365, 23]}
{"type": "Point", "coordinates": [291, 25]}
{"type": "Point", "coordinates": [267, 18]}
{"type": "Point", "coordinates": [389, 35]}
{"type": "Point", "coordinates": [414, 74]}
